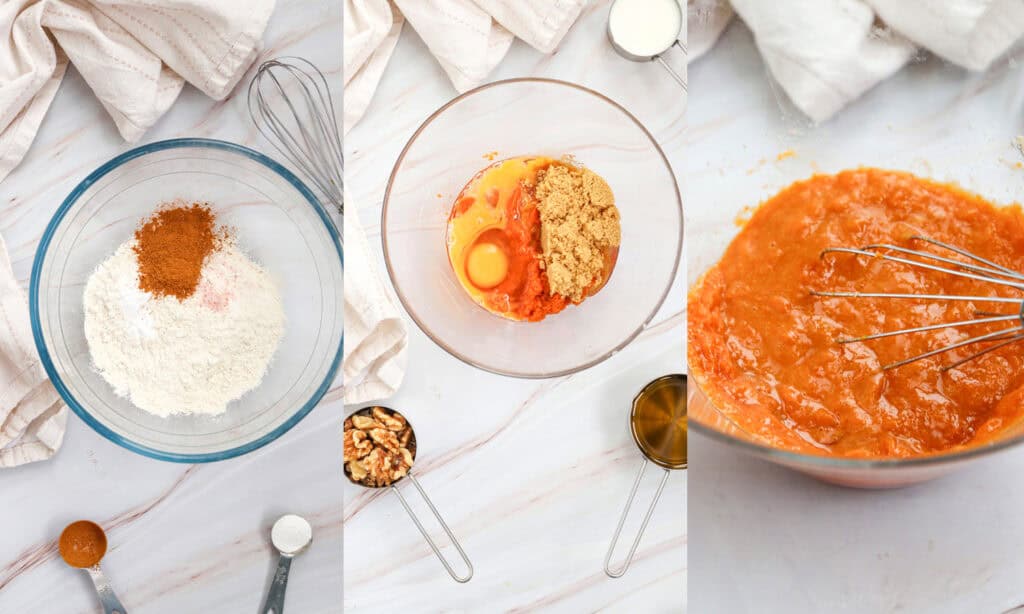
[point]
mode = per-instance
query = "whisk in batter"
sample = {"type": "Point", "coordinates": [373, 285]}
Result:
{"type": "Point", "coordinates": [763, 347]}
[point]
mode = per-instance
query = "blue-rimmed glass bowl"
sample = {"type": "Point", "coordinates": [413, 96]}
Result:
{"type": "Point", "coordinates": [278, 223]}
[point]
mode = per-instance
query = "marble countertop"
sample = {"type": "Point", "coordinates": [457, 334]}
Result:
{"type": "Point", "coordinates": [767, 539]}
{"type": "Point", "coordinates": [182, 538]}
{"type": "Point", "coordinates": [531, 475]}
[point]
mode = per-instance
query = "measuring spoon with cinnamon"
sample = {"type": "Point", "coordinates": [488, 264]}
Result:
{"type": "Point", "coordinates": [82, 545]}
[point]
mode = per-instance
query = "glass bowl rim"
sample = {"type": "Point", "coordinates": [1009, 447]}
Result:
{"type": "Point", "coordinates": [406, 303]}
{"type": "Point", "coordinates": [791, 459]}
{"type": "Point", "coordinates": [40, 255]}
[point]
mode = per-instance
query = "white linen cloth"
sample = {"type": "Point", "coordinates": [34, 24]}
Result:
{"type": "Point", "coordinates": [969, 33]}
{"type": "Point", "coordinates": [467, 37]}
{"type": "Point", "coordinates": [705, 22]}
{"type": "Point", "coordinates": [376, 338]}
{"type": "Point", "coordinates": [826, 53]}
{"type": "Point", "coordinates": [135, 55]}
{"type": "Point", "coordinates": [32, 416]}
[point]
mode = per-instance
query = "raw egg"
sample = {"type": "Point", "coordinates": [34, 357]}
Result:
{"type": "Point", "coordinates": [486, 265]}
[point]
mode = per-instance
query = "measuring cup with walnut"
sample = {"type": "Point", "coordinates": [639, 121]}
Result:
{"type": "Point", "coordinates": [380, 449]}
{"type": "Point", "coordinates": [658, 424]}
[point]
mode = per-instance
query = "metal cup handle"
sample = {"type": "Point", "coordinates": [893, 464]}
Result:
{"type": "Point", "coordinates": [426, 536]}
{"type": "Point", "coordinates": [672, 71]}
{"type": "Point", "coordinates": [618, 573]}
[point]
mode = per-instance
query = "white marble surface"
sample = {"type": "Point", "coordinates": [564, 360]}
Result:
{"type": "Point", "coordinates": [182, 539]}
{"type": "Point", "coordinates": [531, 475]}
{"type": "Point", "coordinates": [765, 539]}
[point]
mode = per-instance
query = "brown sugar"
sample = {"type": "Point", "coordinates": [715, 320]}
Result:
{"type": "Point", "coordinates": [579, 225]}
{"type": "Point", "coordinates": [171, 247]}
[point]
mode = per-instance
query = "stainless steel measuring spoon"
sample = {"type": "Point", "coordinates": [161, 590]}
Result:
{"type": "Point", "coordinates": [644, 30]}
{"type": "Point", "coordinates": [83, 544]}
{"type": "Point", "coordinates": [658, 424]}
{"type": "Point", "coordinates": [412, 447]}
{"type": "Point", "coordinates": [291, 535]}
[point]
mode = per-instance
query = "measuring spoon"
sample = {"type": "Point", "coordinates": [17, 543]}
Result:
{"type": "Point", "coordinates": [412, 447]}
{"type": "Point", "coordinates": [644, 30]}
{"type": "Point", "coordinates": [658, 424]}
{"type": "Point", "coordinates": [83, 545]}
{"type": "Point", "coordinates": [291, 535]}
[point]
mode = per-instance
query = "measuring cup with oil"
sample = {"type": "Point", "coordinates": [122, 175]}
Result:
{"type": "Point", "coordinates": [83, 545]}
{"type": "Point", "coordinates": [399, 455]}
{"type": "Point", "coordinates": [645, 30]}
{"type": "Point", "coordinates": [658, 424]}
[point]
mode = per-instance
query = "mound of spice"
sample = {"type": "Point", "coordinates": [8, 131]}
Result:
{"type": "Point", "coordinates": [579, 224]}
{"type": "Point", "coordinates": [171, 247]}
{"type": "Point", "coordinates": [82, 544]}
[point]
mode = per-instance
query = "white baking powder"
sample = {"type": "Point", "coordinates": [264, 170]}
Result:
{"type": "Point", "coordinates": [191, 356]}
{"type": "Point", "coordinates": [291, 534]}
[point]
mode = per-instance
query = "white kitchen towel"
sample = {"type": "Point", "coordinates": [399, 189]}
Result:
{"type": "Point", "coordinates": [467, 37]}
{"type": "Point", "coordinates": [705, 22]}
{"type": "Point", "coordinates": [970, 33]}
{"type": "Point", "coordinates": [826, 53]}
{"type": "Point", "coordinates": [135, 55]}
{"type": "Point", "coordinates": [376, 338]}
{"type": "Point", "coordinates": [371, 32]}
{"type": "Point", "coordinates": [32, 416]}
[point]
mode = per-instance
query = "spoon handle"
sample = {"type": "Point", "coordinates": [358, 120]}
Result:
{"type": "Point", "coordinates": [110, 602]}
{"type": "Point", "coordinates": [275, 596]}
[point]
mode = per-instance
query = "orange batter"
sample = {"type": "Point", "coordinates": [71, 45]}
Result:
{"type": "Point", "coordinates": [764, 349]}
{"type": "Point", "coordinates": [494, 242]}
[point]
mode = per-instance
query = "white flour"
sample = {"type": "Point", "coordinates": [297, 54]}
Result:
{"type": "Point", "coordinates": [183, 357]}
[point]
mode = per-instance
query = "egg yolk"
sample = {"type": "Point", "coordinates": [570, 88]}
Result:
{"type": "Point", "coordinates": [486, 265]}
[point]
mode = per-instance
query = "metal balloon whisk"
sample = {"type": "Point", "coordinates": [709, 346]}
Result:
{"type": "Point", "coordinates": [291, 104]}
{"type": "Point", "coordinates": [976, 267]}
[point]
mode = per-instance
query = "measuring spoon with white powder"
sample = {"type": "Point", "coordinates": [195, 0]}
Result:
{"type": "Point", "coordinates": [291, 536]}
{"type": "Point", "coordinates": [644, 30]}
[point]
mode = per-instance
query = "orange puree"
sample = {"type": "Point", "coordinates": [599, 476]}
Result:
{"type": "Point", "coordinates": [497, 210]}
{"type": "Point", "coordinates": [764, 349]}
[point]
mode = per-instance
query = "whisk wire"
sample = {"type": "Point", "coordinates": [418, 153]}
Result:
{"type": "Point", "coordinates": [953, 346]}
{"type": "Point", "coordinates": [991, 348]}
{"type": "Point", "coordinates": [965, 254]}
{"type": "Point", "coordinates": [979, 269]}
{"type": "Point", "coordinates": [921, 329]}
{"type": "Point", "coordinates": [965, 265]}
{"type": "Point", "coordinates": [291, 104]}
{"type": "Point", "coordinates": [923, 265]}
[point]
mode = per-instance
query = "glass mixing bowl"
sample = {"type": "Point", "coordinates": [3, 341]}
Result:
{"type": "Point", "coordinates": [278, 222]}
{"type": "Point", "coordinates": [522, 117]}
{"type": "Point", "coordinates": [707, 419]}
{"type": "Point", "coordinates": [931, 118]}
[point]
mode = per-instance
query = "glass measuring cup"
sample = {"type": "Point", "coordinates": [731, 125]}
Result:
{"type": "Point", "coordinates": [658, 424]}
{"type": "Point", "coordinates": [644, 30]}
{"type": "Point", "coordinates": [412, 447]}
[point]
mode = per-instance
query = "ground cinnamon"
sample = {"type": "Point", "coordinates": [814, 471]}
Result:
{"type": "Point", "coordinates": [171, 247]}
{"type": "Point", "coordinates": [82, 544]}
